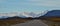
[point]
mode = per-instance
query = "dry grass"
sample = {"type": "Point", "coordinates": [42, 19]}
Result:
{"type": "Point", "coordinates": [12, 21]}
{"type": "Point", "coordinates": [54, 19]}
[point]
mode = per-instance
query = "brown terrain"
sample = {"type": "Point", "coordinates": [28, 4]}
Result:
{"type": "Point", "coordinates": [51, 21]}
{"type": "Point", "coordinates": [12, 21]}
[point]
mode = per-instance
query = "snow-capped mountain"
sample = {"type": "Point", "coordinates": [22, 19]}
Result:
{"type": "Point", "coordinates": [26, 14]}
{"type": "Point", "coordinates": [31, 14]}
{"type": "Point", "coordinates": [21, 14]}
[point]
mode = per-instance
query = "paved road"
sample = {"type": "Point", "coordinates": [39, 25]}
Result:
{"type": "Point", "coordinates": [32, 23]}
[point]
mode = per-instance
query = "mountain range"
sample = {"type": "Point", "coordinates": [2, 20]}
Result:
{"type": "Point", "coordinates": [25, 14]}
{"type": "Point", "coordinates": [53, 13]}
{"type": "Point", "coordinates": [31, 14]}
{"type": "Point", "coordinates": [22, 14]}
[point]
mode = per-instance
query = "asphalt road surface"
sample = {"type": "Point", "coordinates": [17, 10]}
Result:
{"type": "Point", "coordinates": [32, 23]}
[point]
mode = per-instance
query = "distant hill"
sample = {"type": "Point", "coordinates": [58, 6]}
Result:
{"type": "Point", "coordinates": [15, 17]}
{"type": "Point", "coordinates": [53, 13]}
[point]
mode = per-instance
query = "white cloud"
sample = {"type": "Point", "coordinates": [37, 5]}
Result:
{"type": "Point", "coordinates": [9, 14]}
{"type": "Point", "coordinates": [46, 3]}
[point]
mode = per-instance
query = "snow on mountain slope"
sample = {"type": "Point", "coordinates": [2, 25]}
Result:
{"type": "Point", "coordinates": [22, 14]}
{"type": "Point", "coordinates": [31, 14]}
{"type": "Point", "coordinates": [28, 14]}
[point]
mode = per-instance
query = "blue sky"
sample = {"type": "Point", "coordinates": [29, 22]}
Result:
{"type": "Point", "coordinates": [28, 5]}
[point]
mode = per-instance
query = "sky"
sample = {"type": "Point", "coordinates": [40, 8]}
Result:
{"type": "Point", "coordinates": [7, 6]}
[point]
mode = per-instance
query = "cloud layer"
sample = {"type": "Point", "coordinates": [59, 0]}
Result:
{"type": "Point", "coordinates": [28, 5]}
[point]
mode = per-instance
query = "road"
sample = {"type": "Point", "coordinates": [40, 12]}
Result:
{"type": "Point", "coordinates": [32, 23]}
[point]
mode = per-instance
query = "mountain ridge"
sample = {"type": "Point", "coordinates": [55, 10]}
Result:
{"type": "Point", "coordinates": [53, 13]}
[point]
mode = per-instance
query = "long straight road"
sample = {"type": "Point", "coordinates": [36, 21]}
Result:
{"type": "Point", "coordinates": [32, 23]}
